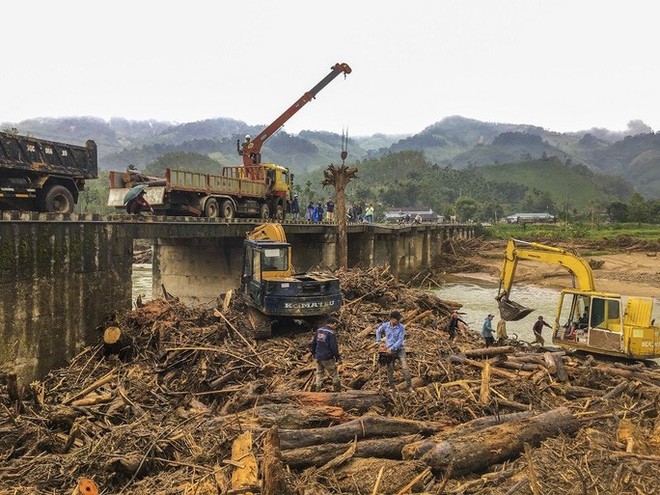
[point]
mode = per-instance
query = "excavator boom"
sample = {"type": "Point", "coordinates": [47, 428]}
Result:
{"type": "Point", "coordinates": [251, 150]}
{"type": "Point", "coordinates": [520, 250]}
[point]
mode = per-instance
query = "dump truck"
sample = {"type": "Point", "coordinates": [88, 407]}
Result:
{"type": "Point", "coordinates": [275, 291]}
{"type": "Point", "coordinates": [41, 175]}
{"type": "Point", "coordinates": [586, 319]}
{"type": "Point", "coordinates": [254, 189]}
{"type": "Point", "coordinates": [265, 192]}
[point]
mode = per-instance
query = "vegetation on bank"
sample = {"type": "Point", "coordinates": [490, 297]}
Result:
{"type": "Point", "coordinates": [575, 231]}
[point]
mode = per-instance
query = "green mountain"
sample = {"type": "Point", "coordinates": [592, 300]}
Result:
{"type": "Point", "coordinates": [453, 142]}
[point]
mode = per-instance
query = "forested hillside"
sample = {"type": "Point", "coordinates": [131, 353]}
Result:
{"type": "Point", "coordinates": [452, 143]}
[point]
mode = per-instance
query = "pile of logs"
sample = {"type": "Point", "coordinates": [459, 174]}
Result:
{"type": "Point", "coordinates": [199, 407]}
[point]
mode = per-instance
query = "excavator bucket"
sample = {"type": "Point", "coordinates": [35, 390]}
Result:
{"type": "Point", "coordinates": [512, 311]}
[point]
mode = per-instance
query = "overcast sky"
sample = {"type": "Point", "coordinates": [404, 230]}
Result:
{"type": "Point", "coordinates": [561, 64]}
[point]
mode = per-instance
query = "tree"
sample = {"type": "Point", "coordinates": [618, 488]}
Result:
{"type": "Point", "coordinates": [466, 207]}
{"type": "Point", "coordinates": [617, 211]}
{"type": "Point", "coordinates": [339, 177]}
{"type": "Point", "coordinates": [638, 209]}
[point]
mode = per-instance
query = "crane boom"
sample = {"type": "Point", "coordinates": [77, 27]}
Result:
{"type": "Point", "coordinates": [251, 149]}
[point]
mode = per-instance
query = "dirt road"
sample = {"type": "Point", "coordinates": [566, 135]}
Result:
{"type": "Point", "coordinates": [628, 273]}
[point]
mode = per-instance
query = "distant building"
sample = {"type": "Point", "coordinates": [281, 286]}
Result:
{"type": "Point", "coordinates": [396, 215]}
{"type": "Point", "coordinates": [530, 218]}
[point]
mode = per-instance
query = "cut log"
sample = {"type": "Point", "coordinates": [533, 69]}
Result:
{"type": "Point", "coordinates": [276, 480]}
{"type": "Point", "coordinates": [512, 365]}
{"type": "Point", "coordinates": [293, 416]}
{"type": "Point", "coordinates": [616, 391]}
{"type": "Point", "coordinates": [489, 351]}
{"type": "Point", "coordinates": [318, 455]}
{"type": "Point", "coordinates": [493, 445]}
{"type": "Point", "coordinates": [562, 375]}
{"type": "Point", "coordinates": [245, 470]}
{"type": "Point", "coordinates": [363, 427]}
{"type": "Point", "coordinates": [478, 364]}
{"type": "Point", "coordinates": [550, 363]}
{"type": "Point", "coordinates": [359, 475]}
{"type": "Point", "coordinates": [356, 400]}
{"type": "Point", "coordinates": [417, 449]}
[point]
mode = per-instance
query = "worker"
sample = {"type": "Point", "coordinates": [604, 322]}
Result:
{"type": "Point", "coordinates": [325, 350]}
{"type": "Point", "coordinates": [583, 321]}
{"type": "Point", "coordinates": [394, 339]}
{"type": "Point", "coordinates": [139, 204]}
{"type": "Point", "coordinates": [452, 328]}
{"type": "Point", "coordinates": [487, 330]}
{"type": "Point", "coordinates": [501, 334]}
{"type": "Point", "coordinates": [369, 214]}
{"type": "Point", "coordinates": [295, 207]}
{"type": "Point", "coordinates": [329, 210]}
{"type": "Point", "coordinates": [538, 328]}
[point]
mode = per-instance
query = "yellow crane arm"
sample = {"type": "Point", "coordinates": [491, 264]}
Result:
{"type": "Point", "coordinates": [576, 266]}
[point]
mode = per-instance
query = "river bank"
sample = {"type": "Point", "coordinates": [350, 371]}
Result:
{"type": "Point", "coordinates": [623, 271]}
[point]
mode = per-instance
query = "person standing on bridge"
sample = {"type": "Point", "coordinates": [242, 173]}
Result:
{"type": "Point", "coordinates": [326, 352]}
{"type": "Point", "coordinates": [295, 207]}
{"type": "Point", "coordinates": [139, 204]}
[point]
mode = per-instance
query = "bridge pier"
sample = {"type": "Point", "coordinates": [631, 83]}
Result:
{"type": "Point", "coordinates": [197, 270]}
{"type": "Point", "coordinates": [62, 276]}
{"type": "Point", "coordinates": [58, 282]}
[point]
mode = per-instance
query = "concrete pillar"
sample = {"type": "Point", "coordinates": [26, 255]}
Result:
{"type": "Point", "coordinates": [58, 282]}
{"type": "Point", "coordinates": [197, 271]}
{"type": "Point", "coordinates": [329, 252]}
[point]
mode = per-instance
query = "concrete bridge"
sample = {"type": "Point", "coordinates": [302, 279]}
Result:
{"type": "Point", "coordinates": [61, 276]}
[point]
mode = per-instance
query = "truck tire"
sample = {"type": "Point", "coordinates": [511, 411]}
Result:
{"type": "Point", "coordinates": [264, 211]}
{"type": "Point", "coordinates": [228, 209]}
{"type": "Point", "coordinates": [58, 199]}
{"type": "Point", "coordinates": [211, 209]}
{"type": "Point", "coordinates": [279, 213]}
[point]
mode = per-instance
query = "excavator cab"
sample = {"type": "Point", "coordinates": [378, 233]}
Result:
{"type": "Point", "coordinates": [272, 287]}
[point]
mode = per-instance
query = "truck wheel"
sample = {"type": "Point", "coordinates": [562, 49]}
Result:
{"type": "Point", "coordinates": [211, 209]}
{"type": "Point", "coordinates": [279, 213]}
{"type": "Point", "coordinates": [58, 199]}
{"type": "Point", "coordinates": [264, 211]}
{"type": "Point", "coordinates": [228, 209]}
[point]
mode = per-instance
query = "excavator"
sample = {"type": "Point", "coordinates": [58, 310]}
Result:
{"type": "Point", "coordinates": [275, 291]}
{"type": "Point", "coordinates": [250, 150]}
{"type": "Point", "coordinates": [586, 319]}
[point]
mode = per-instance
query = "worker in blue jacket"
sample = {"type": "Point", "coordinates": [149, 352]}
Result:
{"type": "Point", "coordinates": [394, 345]}
{"type": "Point", "coordinates": [326, 352]}
{"type": "Point", "coordinates": [487, 330]}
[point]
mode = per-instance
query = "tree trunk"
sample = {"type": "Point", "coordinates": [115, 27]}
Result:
{"type": "Point", "coordinates": [318, 455]}
{"type": "Point", "coordinates": [476, 451]}
{"type": "Point", "coordinates": [295, 416]}
{"type": "Point", "coordinates": [358, 400]}
{"type": "Point", "coordinates": [364, 427]}
{"type": "Point", "coordinates": [489, 351]}
{"type": "Point", "coordinates": [275, 477]}
{"type": "Point", "coordinates": [418, 449]}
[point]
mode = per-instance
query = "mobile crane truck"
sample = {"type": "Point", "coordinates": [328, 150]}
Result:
{"type": "Point", "coordinates": [586, 319]}
{"type": "Point", "coordinates": [254, 189]}
{"type": "Point", "coordinates": [274, 290]}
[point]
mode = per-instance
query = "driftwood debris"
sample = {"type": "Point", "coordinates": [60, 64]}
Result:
{"type": "Point", "coordinates": [197, 383]}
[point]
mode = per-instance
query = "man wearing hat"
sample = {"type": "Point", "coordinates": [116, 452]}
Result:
{"type": "Point", "coordinates": [452, 328]}
{"type": "Point", "coordinates": [487, 330]}
{"type": "Point", "coordinates": [326, 352]}
{"type": "Point", "coordinates": [394, 333]}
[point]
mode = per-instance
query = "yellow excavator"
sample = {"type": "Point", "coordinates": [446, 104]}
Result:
{"type": "Point", "coordinates": [272, 287]}
{"type": "Point", "coordinates": [586, 319]}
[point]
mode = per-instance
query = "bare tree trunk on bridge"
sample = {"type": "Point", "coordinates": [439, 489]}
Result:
{"type": "Point", "coordinates": [339, 177]}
